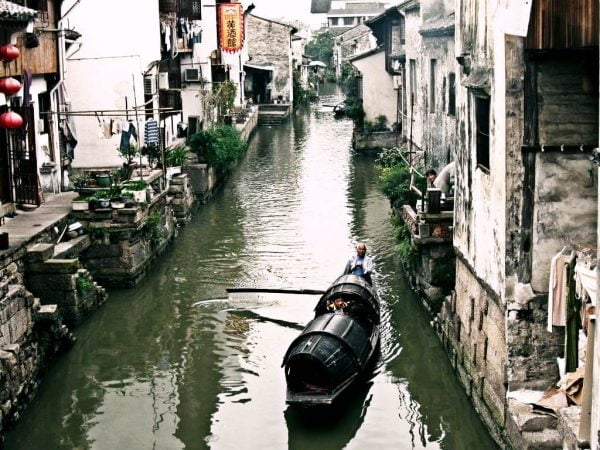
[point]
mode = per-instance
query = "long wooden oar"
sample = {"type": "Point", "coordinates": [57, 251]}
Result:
{"type": "Point", "coordinates": [275, 291]}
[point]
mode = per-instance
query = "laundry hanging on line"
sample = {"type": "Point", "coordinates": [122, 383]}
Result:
{"type": "Point", "coordinates": [151, 134]}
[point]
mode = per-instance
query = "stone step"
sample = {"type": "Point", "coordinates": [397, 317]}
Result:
{"type": "Point", "coordinates": [39, 253]}
{"type": "Point", "coordinates": [543, 440]}
{"type": "Point", "coordinates": [72, 248]}
{"type": "Point", "coordinates": [529, 420]}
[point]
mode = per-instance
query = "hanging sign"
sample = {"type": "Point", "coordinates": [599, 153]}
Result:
{"type": "Point", "coordinates": [231, 27]}
{"type": "Point", "coordinates": [514, 16]}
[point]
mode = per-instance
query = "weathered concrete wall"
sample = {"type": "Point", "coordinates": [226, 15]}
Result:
{"type": "Point", "coordinates": [203, 180]}
{"type": "Point", "coordinates": [566, 209]}
{"type": "Point", "coordinates": [379, 96]}
{"type": "Point", "coordinates": [375, 141]}
{"type": "Point", "coordinates": [418, 92]}
{"type": "Point", "coordinates": [269, 43]}
{"type": "Point", "coordinates": [438, 128]}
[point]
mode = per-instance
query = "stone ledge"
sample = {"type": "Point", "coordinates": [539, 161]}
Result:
{"type": "Point", "coordinates": [55, 266]}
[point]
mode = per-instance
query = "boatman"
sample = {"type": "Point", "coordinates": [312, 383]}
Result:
{"type": "Point", "coordinates": [360, 264]}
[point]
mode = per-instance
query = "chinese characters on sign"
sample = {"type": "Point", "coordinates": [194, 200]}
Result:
{"type": "Point", "coordinates": [231, 27]}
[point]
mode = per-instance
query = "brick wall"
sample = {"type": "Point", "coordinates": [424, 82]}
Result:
{"type": "Point", "coordinates": [269, 44]}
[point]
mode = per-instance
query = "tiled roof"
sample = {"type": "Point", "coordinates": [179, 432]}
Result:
{"type": "Point", "coordinates": [320, 6]}
{"type": "Point", "coordinates": [358, 30]}
{"type": "Point", "coordinates": [438, 25]}
{"type": "Point", "coordinates": [10, 11]}
{"type": "Point", "coordinates": [358, 8]}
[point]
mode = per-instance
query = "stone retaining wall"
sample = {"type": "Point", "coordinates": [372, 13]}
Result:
{"type": "Point", "coordinates": [30, 336]}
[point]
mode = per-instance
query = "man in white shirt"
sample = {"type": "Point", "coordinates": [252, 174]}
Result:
{"type": "Point", "coordinates": [360, 264]}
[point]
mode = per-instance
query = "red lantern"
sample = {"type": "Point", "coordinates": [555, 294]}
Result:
{"type": "Point", "coordinates": [9, 52]}
{"type": "Point", "coordinates": [10, 119]}
{"type": "Point", "coordinates": [9, 86]}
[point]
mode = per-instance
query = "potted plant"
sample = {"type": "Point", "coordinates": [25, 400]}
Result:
{"type": "Point", "coordinates": [103, 179]}
{"type": "Point", "coordinates": [137, 190]}
{"type": "Point", "coordinates": [80, 181]}
{"type": "Point", "coordinates": [174, 159]}
{"type": "Point", "coordinates": [152, 154]}
{"type": "Point", "coordinates": [116, 198]}
{"type": "Point", "coordinates": [99, 200]}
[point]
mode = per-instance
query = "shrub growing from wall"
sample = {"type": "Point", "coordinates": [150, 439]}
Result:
{"type": "Point", "coordinates": [219, 147]}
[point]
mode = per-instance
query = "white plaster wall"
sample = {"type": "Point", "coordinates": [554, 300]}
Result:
{"type": "Point", "coordinates": [481, 230]}
{"type": "Point", "coordinates": [413, 51]}
{"type": "Point", "coordinates": [566, 205]}
{"type": "Point", "coordinates": [120, 40]}
{"type": "Point", "coordinates": [378, 89]}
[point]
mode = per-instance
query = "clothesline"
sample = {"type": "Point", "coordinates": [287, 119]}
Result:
{"type": "Point", "coordinates": [111, 112]}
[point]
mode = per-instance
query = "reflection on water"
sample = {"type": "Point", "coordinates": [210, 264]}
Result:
{"type": "Point", "coordinates": [174, 364]}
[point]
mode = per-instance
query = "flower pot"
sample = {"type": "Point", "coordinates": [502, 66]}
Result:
{"type": "Point", "coordinates": [117, 204]}
{"type": "Point", "coordinates": [80, 205]}
{"type": "Point", "coordinates": [103, 179]}
{"type": "Point", "coordinates": [138, 196]}
{"type": "Point", "coordinates": [172, 171]}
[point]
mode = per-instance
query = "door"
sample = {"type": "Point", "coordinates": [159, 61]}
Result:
{"type": "Point", "coordinates": [24, 161]}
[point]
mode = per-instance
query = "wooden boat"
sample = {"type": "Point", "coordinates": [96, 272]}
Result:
{"type": "Point", "coordinates": [336, 348]}
{"type": "Point", "coordinates": [339, 109]}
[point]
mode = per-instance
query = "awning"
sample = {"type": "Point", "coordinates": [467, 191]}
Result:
{"type": "Point", "coordinates": [257, 67]}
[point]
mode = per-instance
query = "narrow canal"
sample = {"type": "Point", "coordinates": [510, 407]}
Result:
{"type": "Point", "coordinates": [167, 366]}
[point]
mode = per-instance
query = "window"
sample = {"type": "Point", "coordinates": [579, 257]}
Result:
{"type": "Point", "coordinates": [348, 20]}
{"type": "Point", "coordinates": [482, 129]}
{"type": "Point", "coordinates": [402, 31]}
{"type": "Point", "coordinates": [44, 106]}
{"type": "Point", "coordinates": [432, 66]}
{"type": "Point", "coordinates": [451, 94]}
{"type": "Point", "coordinates": [413, 80]}
{"type": "Point", "coordinates": [334, 21]}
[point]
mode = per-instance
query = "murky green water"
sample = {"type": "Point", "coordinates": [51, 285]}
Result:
{"type": "Point", "coordinates": [167, 366]}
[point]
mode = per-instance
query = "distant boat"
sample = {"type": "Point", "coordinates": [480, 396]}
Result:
{"type": "Point", "coordinates": [339, 109]}
{"type": "Point", "coordinates": [336, 348]}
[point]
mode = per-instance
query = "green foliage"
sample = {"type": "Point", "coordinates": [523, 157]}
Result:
{"type": "Point", "coordinates": [301, 94]}
{"type": "Point", "coordinates": [176, 156]}
{"type": "Point", "coordinates": [408, 254]}
{"type": "Point", "coordinates": [320, 48]}
{"type": "Point", "coordinates": [379, 124]}
{"type": "Point", "coordinates": [354, 110]}
{"type": "Point", "coordinates": [152, 154]}
{"type": "Point", "coordinates": [347, 72]}
{"type": "Point", "coordinates": [128, 154]}
{"type": "Point", "coordinates": [80, 181]}
{"type": "Point", "coordinates": [394, 178]}
{"type": "Point", "coordinates": [330, 76]}
{"type": "Point", "coordinates": [84, 285]}
{"type": "Point", "coordinates": [220, 146]}
{"type": "Point", "coordinates": [223, 97]}
{"type": "Point", "coordinates": [138, 185]}
{"type": "Point", "coordinates": [153, 228]}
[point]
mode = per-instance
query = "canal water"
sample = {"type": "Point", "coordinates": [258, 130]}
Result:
{"type": "Point", "coordinates": [171, 364]}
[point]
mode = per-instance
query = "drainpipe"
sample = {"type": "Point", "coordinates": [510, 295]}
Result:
{"type": "Point", "coordinates": [54, 91]}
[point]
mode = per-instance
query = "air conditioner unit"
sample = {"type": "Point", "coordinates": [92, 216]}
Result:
{"type": "Point", "coordinates": [149, 85]}
{"type": "Point", "coordinates": [397, 81]}
{"type": "Point", "coordinates": [163, 80]}
{"type": "Point", "coordinates": [191, 75]}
